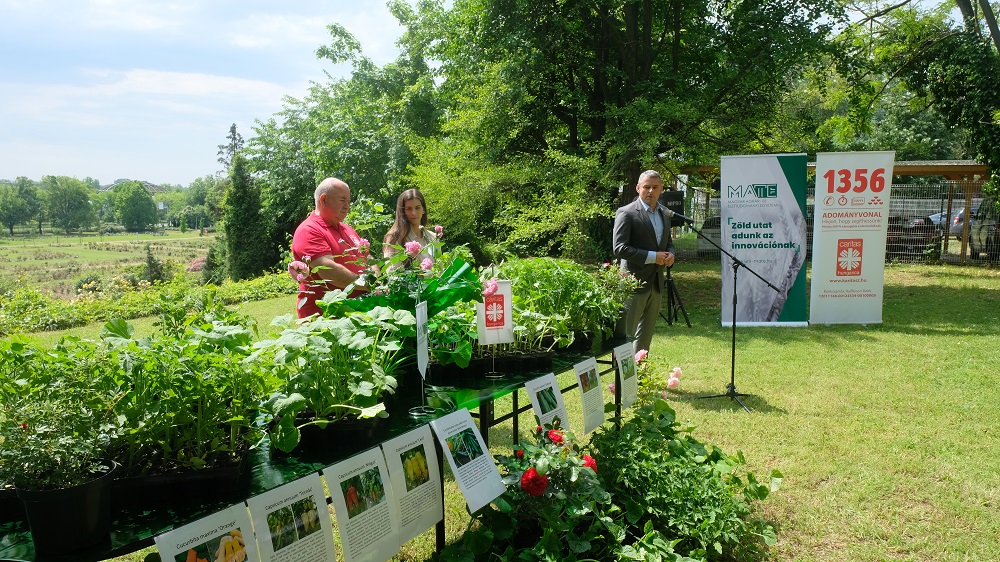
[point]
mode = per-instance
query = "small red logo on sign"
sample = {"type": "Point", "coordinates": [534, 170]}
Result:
{"type": "Point", "coordinates": [849, 251]}
{"type": "Point", "coordinates": [493, 306]}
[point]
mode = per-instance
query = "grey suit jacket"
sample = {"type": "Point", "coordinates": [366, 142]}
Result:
{"type": "Point", "coordinates": [634, 237]}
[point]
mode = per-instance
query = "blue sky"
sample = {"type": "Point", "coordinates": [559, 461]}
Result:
{"type": "Point", "coordinates": [147, 89]}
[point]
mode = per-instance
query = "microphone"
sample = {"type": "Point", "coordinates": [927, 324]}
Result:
{"type": "Point", "coordinates": [680, 217]}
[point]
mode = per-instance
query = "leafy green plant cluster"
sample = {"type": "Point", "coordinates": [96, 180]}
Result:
{"type": "Point", "coordinates": [188, 400]}
{"type": "Point", "coordinates": [663, 478]}
{"type": "Point", "coordinates": [25, 309]}
{"type": "Point", "coordinates": [327, 369]}
{"type": "Point", "coordinates": [56, 414]}
{"type": "Point", "coordinates": [179, 400]}
{"type": "Point", "coordinates": [565, 297]}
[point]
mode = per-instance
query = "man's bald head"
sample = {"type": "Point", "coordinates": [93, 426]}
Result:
{"type": "Point", "coordinates": [333, 200]}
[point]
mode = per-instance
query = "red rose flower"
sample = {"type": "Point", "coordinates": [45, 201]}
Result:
{"type": "Point", "coordinates": [538, 429]}
{"type": "Point", "coordinates": [589, 461]}
{"type": "Point", "coordinates": [556, 436]}
{"type": "Point", "coordinates": [519, 453]}
{"type": "Point", "coordinates": [532, 483]}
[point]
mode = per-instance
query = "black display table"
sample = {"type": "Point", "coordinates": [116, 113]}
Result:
{"type": "Point", "coordinates": [134, 529]}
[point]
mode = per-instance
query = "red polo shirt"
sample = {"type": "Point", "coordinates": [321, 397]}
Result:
{"type": "Point", "coordinates": [314, 238]}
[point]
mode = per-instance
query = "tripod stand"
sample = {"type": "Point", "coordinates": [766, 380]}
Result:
{"type": "Point", "coordinates": [673, 302]}
{"type": "Point", "coordinates": [731, 391]}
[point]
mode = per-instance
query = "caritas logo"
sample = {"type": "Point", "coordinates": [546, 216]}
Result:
{"type": "Point", "coordinates": [849, 251]}
{"type": "Point", "coordinates": [494, 307]}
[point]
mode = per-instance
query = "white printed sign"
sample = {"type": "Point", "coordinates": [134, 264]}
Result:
{"type": "Point", "coordinates": [416, 482]}
{"type": "Point", "coordinates": [293, 522]}
{"type": "Point", "coordinates": [590, 393]}
{"type": "Point", "coordinates": [546, 399]}
{"type": "Point", "coordinates": [628, 374]}
{"type": "Point", "coordinates": [469, 458]}
{"type": "Point", "coordinates": [362, 499]}
{"type": "Point", "coordinates": [849, 237]}
{"type": "Point", "coordinates": [219, 536]}
{"type": "Point", "coordinates": [495, 316]}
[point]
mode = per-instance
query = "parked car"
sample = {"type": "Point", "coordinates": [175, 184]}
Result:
{"type": "Point", "coordinates": [910, 235]}
{"type": "Point", "coordinates": [958, 220]}
{"type": "Point", "coordinates": [941, 219]}
{"type": "Point", "coordinates": [711, 228]}
{"type": "Point", "coordinates": [983, 236]}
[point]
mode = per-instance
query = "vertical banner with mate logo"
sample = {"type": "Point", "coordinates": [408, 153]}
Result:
{"type": "Point", "coordinates": [763, 202]}
{"type": "Point", "coordinates": [851, 220]}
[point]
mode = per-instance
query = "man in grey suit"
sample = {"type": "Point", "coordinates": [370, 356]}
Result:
{"type": "Point", "coordinates": [642, 242]}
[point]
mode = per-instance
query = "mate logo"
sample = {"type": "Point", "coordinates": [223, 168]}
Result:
{"type": "Point", "coordinates": [757, 190]}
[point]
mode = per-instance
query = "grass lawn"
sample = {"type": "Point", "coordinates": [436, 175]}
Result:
{"type": "Point", "coordinates": [886, 434]}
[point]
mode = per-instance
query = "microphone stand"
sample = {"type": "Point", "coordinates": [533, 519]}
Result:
{"type": "Point", "coordinates": [731, 391]}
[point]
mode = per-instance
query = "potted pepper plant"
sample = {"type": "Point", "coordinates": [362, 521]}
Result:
{"type": "Point", "coordinates": [56, 424]}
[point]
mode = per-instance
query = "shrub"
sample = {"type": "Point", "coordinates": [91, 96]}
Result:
{"type": "Point", "coordinates": [27, 310]}
{"type": "Point", "coordinates": [664, 479]}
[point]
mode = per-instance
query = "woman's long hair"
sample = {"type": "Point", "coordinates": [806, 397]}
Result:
{"type": "Point", "coordinates": [401, 226]}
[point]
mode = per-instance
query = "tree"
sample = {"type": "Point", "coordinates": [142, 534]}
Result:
{"type": "Point", "coordinates": [228, 151]}
{"type": "Point", "coordinates": [68, 203]}
{"type": "Point", "coordinates": [13, 209]}
{"type": "Point", "coordinates": [949, 67]}
{"type": "Point", "coordinates": [359, 130]}
{"type": "Point", "coordinates": [134, 206]}
{"type": "Point", "coordinates": [247, 254]}
{"type": "Point", "coordinates": [556, 105]}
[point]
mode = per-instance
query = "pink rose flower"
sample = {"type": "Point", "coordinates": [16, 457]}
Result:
{"type": "Point", "coordinates": [673, 383]}
{"type": "Point", "coordinates": [412, 248]}
{"type": "Point", "coordinates": [676, 373]}
{"type": "Point", "coordinates": [491, 287]}
{"type": "Point", "coordinates": [439, 230]}
{"type": "Point", "coordinates": [298, 270]}
{"type": "Point", "coordinates": [363, 246]}
{"type": "Point", "coordinates": [612, 387]}
{"type": "Point", "coordinates": [664, 395]}
{"type": "Point", "coordinates": [641, 354]}
{"type": "Point", "coordinates": [427, 264]}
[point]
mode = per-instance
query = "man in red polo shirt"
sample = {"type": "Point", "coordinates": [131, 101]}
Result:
{"type": "Point", "coordinates": [331, 248]}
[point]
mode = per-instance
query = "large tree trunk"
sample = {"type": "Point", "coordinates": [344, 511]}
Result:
{"type": "Point", "coordinates": [991, 21]}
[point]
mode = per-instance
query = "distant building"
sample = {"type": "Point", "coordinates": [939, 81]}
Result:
{"type": "Point", "coordinates": [151, 187]}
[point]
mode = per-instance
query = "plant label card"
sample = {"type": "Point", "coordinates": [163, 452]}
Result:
{"type": "Point", "coordinates": [474, 468]}
{"type": "Point", "coordinates": [422, 354]}
{"type": "Point", "coordinates": [293, 522]}
{"type": "Point", "coordinates": [416, 481]}
{"type": "Point", "coordinates": [546, 399]}
{"type": "Point", "coordinates": [495, 316]}
{"type": "Point", "coordinates": [362, 503]}
{"type": "Point", "coordinates": [225, 535]}
{"type": "Point", "coordinates": [591, 394]}
{"type": "Point", "coordinates": [628, 374]}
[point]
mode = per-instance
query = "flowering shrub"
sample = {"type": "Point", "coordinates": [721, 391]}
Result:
{"type": "Point", "coordinates": [554, 495]}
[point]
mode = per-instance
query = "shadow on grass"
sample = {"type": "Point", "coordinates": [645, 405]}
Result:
{"type": "Point", "coordinates": [710, 402]}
